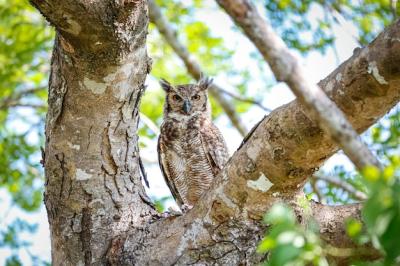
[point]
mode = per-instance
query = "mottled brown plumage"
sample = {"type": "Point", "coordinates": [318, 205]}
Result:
{"type": "Point", "coordinates": [191, 149]}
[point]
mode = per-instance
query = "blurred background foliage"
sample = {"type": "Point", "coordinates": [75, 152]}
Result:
{"type": "Point", "coordinates": [25, 48]}
{"type": "Point", "coordinates": [291, 18]}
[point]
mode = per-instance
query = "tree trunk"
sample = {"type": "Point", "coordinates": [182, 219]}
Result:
{"type": "Point", "coordinates": [98, 211]}
{"type": "Point", "coordinates": [93, 188]}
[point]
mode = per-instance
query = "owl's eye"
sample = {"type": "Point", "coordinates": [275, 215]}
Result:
{"type": "Point", "coordinates": [176, 98]}
{"type": "Point", "coordinates": [196, 97]}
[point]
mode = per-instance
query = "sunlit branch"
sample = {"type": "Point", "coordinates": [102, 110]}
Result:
{"type": "Point", "coordinates": [315, 189]}
{"type": "Point", "coordinates": [149, 123]}
{"type": "Point", "coordinates": [193, 67]}
{"type": "Point", "coordinates": [341, 184]}
{"type": "Point", "coordinates": [13, 100]}
{"type": "Point", "coordinates": [23, 105]}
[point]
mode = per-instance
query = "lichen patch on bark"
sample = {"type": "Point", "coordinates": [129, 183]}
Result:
{"type": "Point", "coordinates": [81, 175]}
{"type": "Point", "coordinates": [95, 87]}
{"type": "Point", "coordinates": [373, 69]}
{"type": "Point", "coordinates": [261, 184]}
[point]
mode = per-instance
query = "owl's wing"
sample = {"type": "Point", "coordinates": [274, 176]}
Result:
{"type": "Point", "coordinates": [161, 150]}
{"type": "Point", "coordinates": [215, 147]}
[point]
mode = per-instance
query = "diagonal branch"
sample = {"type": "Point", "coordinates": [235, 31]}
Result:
{"type": "Point", "coordinates": [272, 165]}
{"type": "Point", "coordinates": [287, 69]}
{"type": "Point", "coordinates": [341, 184]}
{"type": "Point", "coordinates": [14, 99]}
{"type": "Point", "coordinates": [246, 100]}
{"type": "Point", "coordinates": [192, 66]}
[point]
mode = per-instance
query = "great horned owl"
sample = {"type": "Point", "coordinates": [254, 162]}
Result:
{"type": "Point", "coordinates": [191, 149]}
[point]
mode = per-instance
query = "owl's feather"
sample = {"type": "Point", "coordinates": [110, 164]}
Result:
{"type": "Point", "coordinates": [214, 146]}
{"type": "Point", "coordinates": [191, 149]}
{"type": "Point", "coordinates": [161, 150]}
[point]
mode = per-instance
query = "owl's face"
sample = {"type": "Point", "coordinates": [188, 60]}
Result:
{"type": "Point", "coordinates": [186, 99]}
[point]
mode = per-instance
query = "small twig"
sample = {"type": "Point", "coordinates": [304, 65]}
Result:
{"type": "Point", "coordinates": [343, 185]}
{"type": "Point", "coordinates": [393, 7]}
{"type": "Point", "coordinates": [315, 189]}
{"type": "Point", "coordinates": [23, 105]}
{"type": "Point", "coordinates": [13, 100]}
{"type": "Point", "coordinates": [244, 99]}
{"type": "Point", "coordinates": [149, 123]}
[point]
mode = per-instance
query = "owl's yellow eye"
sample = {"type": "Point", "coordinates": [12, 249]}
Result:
{"type": "Point", "coordinates": [176, 98]}
{"type": "Point", "coordinates": [196, 97]}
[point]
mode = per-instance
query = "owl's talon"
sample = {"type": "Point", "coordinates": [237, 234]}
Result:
{"type": "Point", "coordinates": [186, 207]}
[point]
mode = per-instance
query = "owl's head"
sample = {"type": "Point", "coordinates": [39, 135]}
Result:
{"type": "Point", "coordinates": [187, 99]}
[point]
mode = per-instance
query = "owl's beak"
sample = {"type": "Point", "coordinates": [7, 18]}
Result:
{"type": "Point", "coordinates": [187, 106]}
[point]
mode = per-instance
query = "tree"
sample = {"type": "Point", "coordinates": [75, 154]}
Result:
{"type": "Point", "coordinates": [97, 207]}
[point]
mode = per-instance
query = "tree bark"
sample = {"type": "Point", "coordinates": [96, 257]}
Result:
{"type": "Point", "coordinates": [98, 211]}
{"type": "Point", "coordinates": [93, 189]}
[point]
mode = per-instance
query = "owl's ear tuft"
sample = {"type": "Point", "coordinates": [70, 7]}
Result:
{"type": "Point", "coordinates": [165, 85]}
{"type": "Point", "coordinates": [204, 82]}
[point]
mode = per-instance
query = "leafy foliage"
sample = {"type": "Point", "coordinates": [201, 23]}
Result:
{"type": "Point", "coordinates": [300, 27]}
{"type": "Point", "coordinates": [288, 243]}
{"type": "Point", "coordinates": [385, 135]}
{"type": "Point", "coordinates": [381, 212]}
{"type": "Point", "coordinates": [10, 238]}
{"type": "Point", "coordinates": [25, 43]}
{"type": "Point", "coordinates": [19, 170]}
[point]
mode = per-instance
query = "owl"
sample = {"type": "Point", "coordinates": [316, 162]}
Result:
{"type": "Point", "coordinates": [191, 149]}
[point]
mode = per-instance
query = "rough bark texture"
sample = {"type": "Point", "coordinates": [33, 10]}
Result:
{"type": "Point", "coordinates": [287, 69]}
{"type": "Point", "coordinates": [192, 66]}
{"type": "Point", "coordinates": [98, 212]}
{"type": "Point", "coordinates": [93, 188]}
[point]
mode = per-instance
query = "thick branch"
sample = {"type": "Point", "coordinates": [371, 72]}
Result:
{"type": "Point", "coordinates": [331, 221]}
{"type": "Point", "coordinates": [96, 30]}
{"type": "Point", "coordinates": [287, 68]}
{"type": "Point", "coordinates": [272, 164]}
{"type": "Point", "coordinates": [193, 67]}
